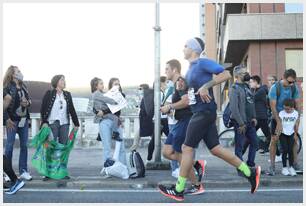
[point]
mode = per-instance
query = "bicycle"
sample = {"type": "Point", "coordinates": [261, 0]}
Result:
{"type": "Point", "coordinates": [228, 136]}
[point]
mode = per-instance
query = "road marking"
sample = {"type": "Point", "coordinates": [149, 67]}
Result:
{"type": "Point", "coordinates": [152, 190]}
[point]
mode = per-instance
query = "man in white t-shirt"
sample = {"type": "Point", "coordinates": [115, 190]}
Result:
{"type": "Point", "coordinates": [289, 117]}
{"type": "Point", "coordinates": [173, 72]}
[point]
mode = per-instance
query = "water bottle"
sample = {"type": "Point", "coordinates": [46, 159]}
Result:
{"type": "Point", "coordinates": [191, 96]}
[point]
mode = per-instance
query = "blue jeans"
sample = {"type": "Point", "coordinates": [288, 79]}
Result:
{"type": "Point", "coordinates": [174, 164]}
{"type": "Point", "coordinates": [23, 139]}
{"type": "Point", "coordinates": [240, 139]}
{"type": "Point", "coordinates": [106, 131]}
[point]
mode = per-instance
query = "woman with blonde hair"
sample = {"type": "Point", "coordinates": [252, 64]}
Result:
{"type": "Point", "coordinates": [17, 117]}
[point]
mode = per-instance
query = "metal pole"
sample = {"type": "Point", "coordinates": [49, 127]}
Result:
{"type": "Point", "coordinates": [157, 29]}
{"type": "Point", "coordinates": [202, 19]}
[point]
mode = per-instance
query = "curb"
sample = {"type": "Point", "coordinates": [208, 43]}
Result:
{"type": "Point", "coordinates": [115, 183]}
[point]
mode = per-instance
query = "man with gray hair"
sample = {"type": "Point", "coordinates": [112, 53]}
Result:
{"type": "Point", "coordinates": [242, 107]}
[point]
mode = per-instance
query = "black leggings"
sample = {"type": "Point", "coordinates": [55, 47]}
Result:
{"type": "Point", "coordinates": [8, 169]}
{"type": "Point", "coordinates": [165, 130]}
{"type": "Point", "coordinates": [287, 146]}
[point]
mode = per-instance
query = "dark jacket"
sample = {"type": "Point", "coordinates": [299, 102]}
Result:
{"type": "Point", "coordinates": [148, 98]}
{"type": "Point", "coordinates": [242, 111]}
{"type": "Point", "coordinates": [261, 102]}
{"type": "Point", "coordinates": [146, 123]}
{"type": "Point", "coordinates": [47, 104]}
{"type": "Point", "coordinates": [12, 90]}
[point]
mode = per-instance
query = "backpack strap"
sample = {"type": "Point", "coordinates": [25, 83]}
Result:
{"type": "Point", "coordinates": [278, 93]}
{"type": "Point", "coordinates": [277, 85]}
{"type": "Point", "coordinates": [293, 91]}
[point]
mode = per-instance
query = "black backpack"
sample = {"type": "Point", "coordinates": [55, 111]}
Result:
{"type": "Point", "coordinates": [136, 165]}
{"type": "Point", "coordinates": [227, 115]}
{"type": "Point", "coordinates": [227, 120]}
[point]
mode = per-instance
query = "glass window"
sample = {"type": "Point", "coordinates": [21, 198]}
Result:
{"type": "Point", "coordinates": [294, 60]}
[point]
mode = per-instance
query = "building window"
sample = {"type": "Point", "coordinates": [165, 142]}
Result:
{"type": "Point", "coordinates": [294, 60]}
{"type": "Point", "coordinates": [293, 8]}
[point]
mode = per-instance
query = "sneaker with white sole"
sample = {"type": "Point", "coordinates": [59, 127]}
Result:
{"type": "Point", "coordinates": [26, 176]}
{"type": "Point", "coordinates": [6, 178]}
{"type": "Point", "coordinates": [278, 158]}
{"type": "Point", "coordinates": [195, 190]}
{"type": "Point", "coordinates": [176, 173]}
{"type": "Point", "coordinates": [285, 171]}
{"type": "Point", "coordinates": [171, 192]}
{"type": "Point", "coordinates": [17, 186]}
{"type": "Point", "coordinates": [292, 171]}
{"type": "Point", "coordinates": [104, 174]}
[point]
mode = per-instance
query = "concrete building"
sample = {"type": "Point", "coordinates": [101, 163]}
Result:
{"type": "Point", "coordinates": [264, 37]}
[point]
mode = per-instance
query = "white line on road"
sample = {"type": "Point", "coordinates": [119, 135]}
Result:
{"type": "Point", "coordinates": [152, 190]}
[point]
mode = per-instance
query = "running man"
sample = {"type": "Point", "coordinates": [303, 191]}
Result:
{"type": "Point", "coordinates": [172, 149]}
{"type": "Point", "coordinates": [202, 125]}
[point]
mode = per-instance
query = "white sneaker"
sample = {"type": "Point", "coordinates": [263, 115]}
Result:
{"type": "Point", "coordinates": [104, 174]}
{"type": "Point", "coordinates": [278, 158]}
{"type": "Point", "coordinates": [285, 171]}
{"type": "Point", "coordinates": [26, 176]}
{"type": "Point", "coordinates": [6, 178]}
{"type": "Point", "coordinates": [292, 171]}
{"type": "Point", "coordinates": [176, 173]}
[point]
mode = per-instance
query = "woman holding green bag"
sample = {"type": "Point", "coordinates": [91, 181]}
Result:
{"type": "Point", "coordinates": [57, 108]}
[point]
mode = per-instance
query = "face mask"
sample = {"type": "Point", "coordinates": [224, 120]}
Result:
{"type": "Point", "coordinates": [246, 77]}
{"type": "Point", "coordinates": [19, 76]}
{"type": "Point", "coordinates": [115, 88]}
{"type": "Point", "coordinates": [140, 92]}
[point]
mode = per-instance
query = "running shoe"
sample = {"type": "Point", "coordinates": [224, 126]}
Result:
{"type": "Point", "coordinates": [26, 176]}
{"type": "Point", "coordinates": [17, 186]}
{"type": "Point", "coordinates": [199, 166]}
{"type": "Point", "coordinates": [195, 190]}
{"type": "Point", "coordinates": [171, 192]}
{"type": "Point", "coordinates": [254, 179]}
{"type": "Point", "coordinates": [292, 171]}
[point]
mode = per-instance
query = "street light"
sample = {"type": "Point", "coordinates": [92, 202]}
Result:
{"type": "Point", "coordinates": [157, 29]}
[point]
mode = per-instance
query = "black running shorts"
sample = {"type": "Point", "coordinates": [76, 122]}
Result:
{"type": "Point", "coordinates": [202, 125]}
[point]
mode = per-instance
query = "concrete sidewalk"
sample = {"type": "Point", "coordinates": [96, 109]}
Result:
{"type": "Point", "coordinates": [85, 166]}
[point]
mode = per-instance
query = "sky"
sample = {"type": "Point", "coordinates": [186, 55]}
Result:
{"type": "Point", "coordinates": [86, 40]}
{"type": "Point", "coordinates": [294, 8]}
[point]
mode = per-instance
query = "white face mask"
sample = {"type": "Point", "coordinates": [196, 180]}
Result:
{"type": "Point", "coordinates": [140, 92]}
{"type": "Point", "coordinates": [19, 76]}
{"type": "Point", "coordinates": [115, 88]}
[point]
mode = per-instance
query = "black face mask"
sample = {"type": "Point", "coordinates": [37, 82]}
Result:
{"type": "Point", "coordinates": [246, 77]}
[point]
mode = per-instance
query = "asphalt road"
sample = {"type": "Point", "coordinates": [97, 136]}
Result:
{"type": "Point", "coordinates": [226, 195]}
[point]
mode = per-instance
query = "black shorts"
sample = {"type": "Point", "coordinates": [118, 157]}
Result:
{"type": "Point", "coordinates": [273, 126]}
{"type": "Point", "coordinates": [202, 125]}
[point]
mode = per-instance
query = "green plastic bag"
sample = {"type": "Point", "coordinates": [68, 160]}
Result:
{"type": "Point", "coordinates": [51, 157]}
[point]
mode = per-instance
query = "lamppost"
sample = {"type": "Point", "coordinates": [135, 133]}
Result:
{"type": "Point", "coordinates": [157, 29]}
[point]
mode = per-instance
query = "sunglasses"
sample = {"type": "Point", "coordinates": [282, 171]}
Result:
{"type": "Point", "coordinates": [290, 82]}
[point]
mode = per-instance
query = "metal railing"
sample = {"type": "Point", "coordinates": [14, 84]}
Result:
{"type": "Point", "coordinates": [90, 129]}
